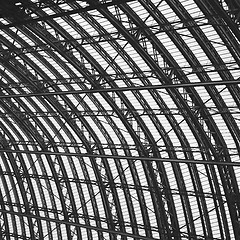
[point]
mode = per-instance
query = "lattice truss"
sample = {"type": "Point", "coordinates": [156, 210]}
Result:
{"type": "Point", "coordinates": [119, 119]}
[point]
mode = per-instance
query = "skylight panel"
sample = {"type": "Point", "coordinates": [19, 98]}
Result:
{"type": "Point", "coordinates": [134, 55]}
{"type": "Point", "coordinates": [187, 131]}
{"type": "Point", "coordinates": [122, 64]}
{"type": "Point", "coordinates": [70, 30]}
{"type": "Point", "coordinates": [152, 128]}
{"type": "Point", "coordinates": [234, 70]}
{"type": "Point", "coordinates": [122, 128]}
{"type": "Point", "coordinates": [28, 102]}
{"type": "Point", "coordinates": [180, 212]}
{"type": "Point", "coordinates": [97, 57]}
{"type": "Point", "coordinates": [97, 131]}
{"type": "Point", "coordinates": [89, 102]}
{"type": "Point", "coordinates": [133, 100]}
{"type": "Point", "coordinates": [24, 38]}
{"type": "Point", "coordinates": [172, 49]}
{"type": "Point", "coordinates": [139, 9]}
{"type": "Point", "coordinates": [191, 8]}
{"type": "Point", "coordinates": [66, 7]}
{"type": "Point", "coordinates": [214, 76]}
{"type": "Point", "coordinates": [217, 42]}
{"type": "Point", "coordinates": [108, 48]}
{"type": "Point", "coordinates": [204, 95]}
{"type": "Point", "coordinates": [194, 47]}
{"type": "Point", "coordinates": [88, 27]}
{"type": "Point", "coordinates": [167, 99]}
{"type": "Point", "coordinates": [224, 131]}
{"type": "Point", "coordinates": [48, 11]}
{"type": "Point", "coordinates": [11, 40]}
{"type": "Point", "coordinates": [45, 123]}
{"type": "Point", "coordinates": [47, 70]}
{"type": "Point", "coordinates": [192, 77]}
{"type": "Point", "coordinates": [102, 21]}
{"type": "Point", "coordinates": [167, 11]}
{"type": "Point", "coordinates": [5, 22]}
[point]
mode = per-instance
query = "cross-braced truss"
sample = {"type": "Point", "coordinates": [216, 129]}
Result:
{"type": "Point", "coordinates": [119, 119]}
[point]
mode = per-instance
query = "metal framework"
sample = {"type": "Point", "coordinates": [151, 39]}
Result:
{"type": "Point", "coordinates": [119, 119]}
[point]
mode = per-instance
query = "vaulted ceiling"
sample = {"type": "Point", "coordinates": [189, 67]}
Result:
{"type": "Point", "coordinates": [119, 119]}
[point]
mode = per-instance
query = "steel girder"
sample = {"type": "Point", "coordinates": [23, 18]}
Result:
{"type": "Point", "coordinates": [119, 119]}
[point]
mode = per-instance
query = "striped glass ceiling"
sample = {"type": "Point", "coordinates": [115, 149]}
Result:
{"type": "Point", "coordinates": [119, 119]}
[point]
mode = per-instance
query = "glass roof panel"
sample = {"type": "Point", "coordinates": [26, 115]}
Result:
{"type": "Point", "coordinates": [119, 119]}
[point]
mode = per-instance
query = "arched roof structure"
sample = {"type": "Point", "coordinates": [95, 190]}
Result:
{"type": "Point", "coordinates": [119, 119]}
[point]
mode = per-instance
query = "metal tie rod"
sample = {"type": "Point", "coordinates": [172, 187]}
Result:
{"type": "Point", "coordinates": [133, 158]}
{"type": "Point", "coordinates": [122, 89]}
